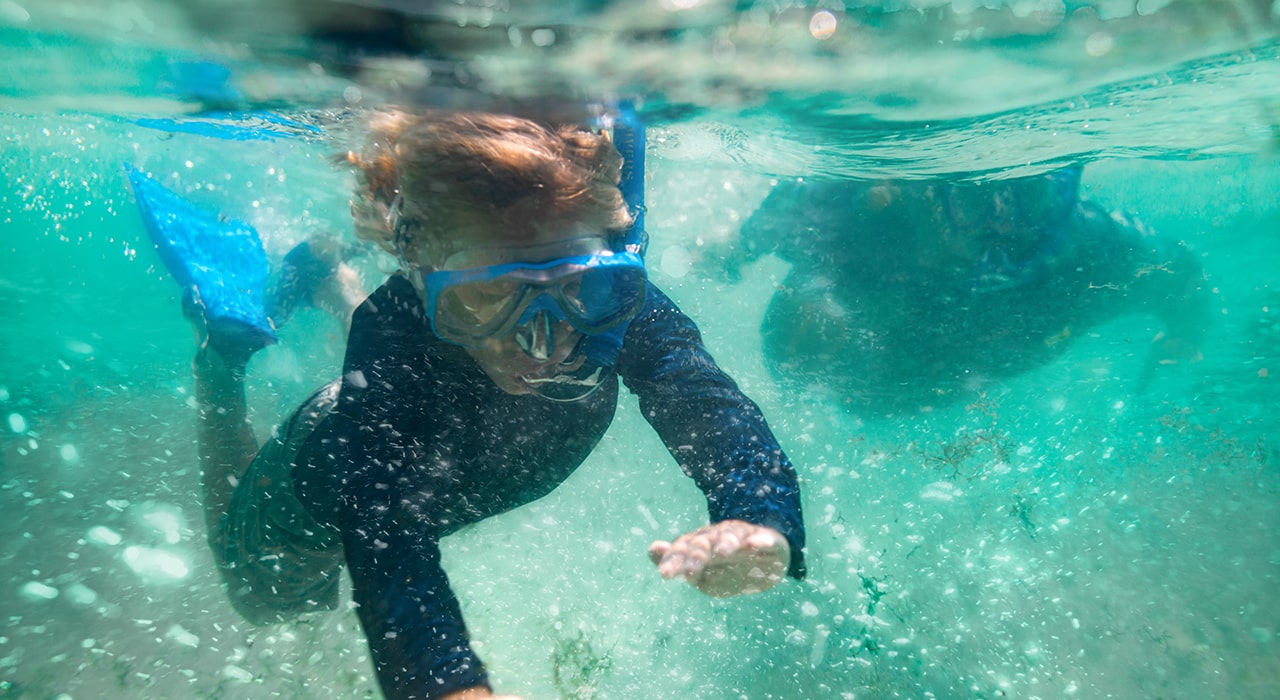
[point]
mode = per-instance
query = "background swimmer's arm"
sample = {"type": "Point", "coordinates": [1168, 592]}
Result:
{"type": "Point", "coordinates": [1156, 274]}
{"type": "Point", "coordinates": [716, 434]}
{"type": "Point", "coordinates": [1168, 282]}
{"type": "Point", "coordinates": [766, 231]}
{"type": "Point", "coordinates": [1180, 298]}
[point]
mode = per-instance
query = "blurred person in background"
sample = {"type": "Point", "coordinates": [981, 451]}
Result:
{"type": "Point", "coordinates": [904, 295]}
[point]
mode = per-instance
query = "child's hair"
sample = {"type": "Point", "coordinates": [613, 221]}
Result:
{"type": "Point", "coordinates": [452, 166]}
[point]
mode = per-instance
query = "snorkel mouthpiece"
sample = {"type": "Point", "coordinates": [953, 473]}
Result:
{"type": "Point", "coordinates": [536, 336]}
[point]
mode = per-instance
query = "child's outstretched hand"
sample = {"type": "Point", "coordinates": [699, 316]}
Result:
{"type": "Point", "coordinates": [725, 559]}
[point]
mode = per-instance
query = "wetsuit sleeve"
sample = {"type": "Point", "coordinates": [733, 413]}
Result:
{"type": "Point", "coordinates": [410, 615]}
{"type": "Point", "coordinates": [411, 618]}
{"type": "Point", "coordinates": [717, 435]}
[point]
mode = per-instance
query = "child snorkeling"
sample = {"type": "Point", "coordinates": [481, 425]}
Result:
{"type": "Point", "coordinates": [477, 378]}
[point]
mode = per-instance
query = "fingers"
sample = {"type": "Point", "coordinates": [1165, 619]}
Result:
{"type": "Point", "coordinates": [724, 559]}
{"type": "Point", "coordinates": [686, 557]}
{"type": "Point", "coordinates": [726, 546]}
{"type": "Point", "coordinates": [658, 550]}
{"type": "Point", "coordinates": [766, 539]}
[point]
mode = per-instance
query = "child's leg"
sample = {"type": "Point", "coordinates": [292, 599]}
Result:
{"type": "Point", "coordinates": [315, 273]}
{"type": "Point", "coordinates": [277, 560]}
{"type": "Point", "coordinates": [225, 440]}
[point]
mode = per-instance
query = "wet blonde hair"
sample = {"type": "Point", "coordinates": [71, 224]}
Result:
{"type": "Point", "coordinates": [454, 167]}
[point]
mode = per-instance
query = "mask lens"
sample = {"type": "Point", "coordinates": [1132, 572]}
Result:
{"type": "Point", "coordinates": [479, 303]}
{"type": "Point", "coordinates": [602, 298]}
{"type": "Point", "coordinates": [471, 312]}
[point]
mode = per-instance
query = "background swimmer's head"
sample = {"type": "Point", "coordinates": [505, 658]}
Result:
{"type": "Point", "coordinates": [459, 176]}
{"type": "Point", "coordinates": [1012, 208]}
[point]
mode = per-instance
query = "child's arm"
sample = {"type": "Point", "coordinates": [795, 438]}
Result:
{"type": "Point", "coordinates": [721, 440]}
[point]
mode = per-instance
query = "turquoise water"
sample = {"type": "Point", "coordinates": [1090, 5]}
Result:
{"type": "Point", "coordinates": [1064, 535]}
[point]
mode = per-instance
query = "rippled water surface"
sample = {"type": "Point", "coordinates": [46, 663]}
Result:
{"type": "Point", "coordinates": [1064, 533]}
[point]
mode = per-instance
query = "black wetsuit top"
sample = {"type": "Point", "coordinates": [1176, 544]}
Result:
{"type": "Point", "coordinates": [422, 443]}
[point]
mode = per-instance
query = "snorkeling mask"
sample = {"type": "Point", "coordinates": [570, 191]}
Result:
{"type": "Point", "coordinates": [588, 286]}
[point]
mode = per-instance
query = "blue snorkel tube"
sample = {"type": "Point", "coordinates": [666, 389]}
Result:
{"type": "Point", "coordinates": [600, 352]}
{"type": "Point", "coordinates": [628, 137]}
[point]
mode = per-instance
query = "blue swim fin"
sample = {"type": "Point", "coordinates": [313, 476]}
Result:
{"type": "Point", "coordinates": [220, 260]}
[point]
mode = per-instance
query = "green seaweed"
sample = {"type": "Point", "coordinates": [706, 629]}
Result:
{"type": "Point", "coordinates": [576, 668]}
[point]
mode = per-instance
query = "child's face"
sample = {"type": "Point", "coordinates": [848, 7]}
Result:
{"type": "Point", "coordinates": [488, 242]}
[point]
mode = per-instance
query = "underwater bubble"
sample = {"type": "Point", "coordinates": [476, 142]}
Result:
{"type": "Point", "coordinates": [165, 519]}
{"type": "Point", "coordinates": [155, 565]}
{"type": "Point", "coordinates": [182, 636]}
{"type": "Point", "coordinates": [34, 590]}
{"type": "Point", "coordinates": [17, 423]}
{"type": "Point", "coordinates": [822, 25]}
{"type": "Point", "coordinates": [1098, 44]}
{"type": "Point", "coordinates": [676, 262]}
{"type": "Point", "coordinates": [542, 37]}
{"type": "Point", "coordinates": [819, 650]}
{"type": "Point", "coordinates": [941, 491]}
{"type": "Point", "coordinates": [81, 594]}
{"type": "Point", "coordinates": [104, 535]}
{"type": "Point", "coordinates": [235, 673]}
